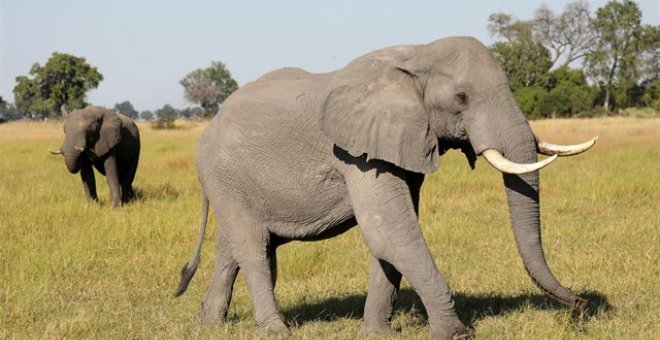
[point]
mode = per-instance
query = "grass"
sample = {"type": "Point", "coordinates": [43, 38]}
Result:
{"type": "Point", "coordinates": [73, 269]}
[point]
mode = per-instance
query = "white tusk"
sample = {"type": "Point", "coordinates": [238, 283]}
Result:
{"type": "Point", "coordinates": [500, 163]}
{"type": "Point", "coordinates": [79, 148]}
{"type": "Point", "coordinates": [565, 150]}
{"type": "Point", "coordinates": [58, 152]}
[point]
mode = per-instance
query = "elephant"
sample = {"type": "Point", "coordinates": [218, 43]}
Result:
{"type": "Point", "coordinates": [303, 156]}
{"type": "Point", "coordinates": [107, 140]}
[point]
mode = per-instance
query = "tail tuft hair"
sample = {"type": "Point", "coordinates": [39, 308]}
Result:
{"type": "Point", "coordinates": [187, 273]}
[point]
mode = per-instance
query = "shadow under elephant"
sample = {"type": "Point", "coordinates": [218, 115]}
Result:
{"type": "Point", "coordinates": [470, 307]}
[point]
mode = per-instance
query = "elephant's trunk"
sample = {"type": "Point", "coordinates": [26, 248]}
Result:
{"type": "Point", "coordinates": [523, 198]}
{"type": "Point", "coordinates": [506, 130]}
{"type": "Point", "coordinates": [72, 160]}
{"type": "Point", "coordinates": [524, 209]}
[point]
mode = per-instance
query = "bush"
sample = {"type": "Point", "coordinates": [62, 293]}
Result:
{"type": "Point", "coordinates": [644, 112]}
{"type": "Point", "coordinates": [163, 123]}
{"type": "Point", "coordinates": [565, 100]}
{"type": "Point", "coordinates": [529, 99]}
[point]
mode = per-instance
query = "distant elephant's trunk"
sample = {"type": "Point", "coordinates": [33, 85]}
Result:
{"type": "Point", "coordinates": [507, 131]}
{"type": "Point", "coordinates": [71, 159]}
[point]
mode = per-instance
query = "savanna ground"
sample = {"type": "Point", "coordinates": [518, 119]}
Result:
{"type": "Point", "coordinates": [73, 269]}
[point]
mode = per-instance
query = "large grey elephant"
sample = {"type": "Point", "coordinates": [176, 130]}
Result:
{"type": "Point", "coordinates": [107, 140]}
{"type": "Point", "coordinates": [302, 156]}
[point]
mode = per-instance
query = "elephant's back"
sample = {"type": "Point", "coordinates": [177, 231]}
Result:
{"type": "Point", "coordinates": [270, 124]}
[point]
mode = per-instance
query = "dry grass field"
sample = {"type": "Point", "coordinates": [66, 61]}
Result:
{"type": "Point", "coordinates": [74, 269]}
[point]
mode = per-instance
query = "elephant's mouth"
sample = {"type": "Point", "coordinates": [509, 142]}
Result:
{"type": "Point", "coordinates": [74, 158]}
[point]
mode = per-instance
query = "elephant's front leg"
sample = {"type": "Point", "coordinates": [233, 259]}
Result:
{"type": "Point", "coordinates": [388, 223]}
{"type": "Point", "coordinates": [112, 175]}
{"type": "Point", "coordinates": [384, 281]}
{"type": "Point", "coordinates": [89, 181]}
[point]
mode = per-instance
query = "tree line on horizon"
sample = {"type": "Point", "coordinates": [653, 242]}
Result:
{"type": "Point", "coordinates": [558, 65]}
{"type": "Point", "coordinates": [575, 63]}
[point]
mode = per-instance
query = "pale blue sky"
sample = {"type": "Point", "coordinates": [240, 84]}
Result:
{"type": "Point", "coordinates": [143, 48]}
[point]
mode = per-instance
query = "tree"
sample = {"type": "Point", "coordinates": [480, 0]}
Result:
{"type": "Point", "coordinates": [165, 118]}
{"type": "Point", "coordinates": [568, 94]}
{"type": "Point", "coordinates": [209, 87]}
{"type": "Point", "coordinates": [618, 48]}
{"type": "Point", "coordinates": [166, 112]}
{"type": "Point", "coordinates": [506, 26]}
{"type": "Point", "coordinates": [3, 105]}
{"type": "Point", "coordinates": [195, 112]}
{"type": "Point", "coordinates": [524, 61]}
{"type": "Point", "coordinates": [567, 34]}
{"type": "Point", "coordinates": [127, 109]}
{"type": "Point", "coordinates": [62, 83]}
{"type": "Point", "coordinates": [650, 52]}
{"type": "Point", "coordinates": [147, 115]}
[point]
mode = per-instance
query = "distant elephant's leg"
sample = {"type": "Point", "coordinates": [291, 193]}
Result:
{"type": "Point", "coordinates": [127, 192]}
{"type": "Point", "coordinates": [112, 176]}
{"type": "Point", "coordinates": [388, 223]}
{"type": "Point", "coordinates": [384, 281]}
{"type": "Point", "coordinates": [250, 247]}
{"type": "Point", "coordinates": [272, 255]}
{"type": "Point", "coordinates": [89, 181]}
{"type": "Point", "coordinates": [218, 297]}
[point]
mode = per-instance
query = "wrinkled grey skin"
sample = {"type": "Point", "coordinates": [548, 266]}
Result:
{"type": "Point", "coordinates": [111, 144]}
{"type": "Point", "coordinates": [302, 156]}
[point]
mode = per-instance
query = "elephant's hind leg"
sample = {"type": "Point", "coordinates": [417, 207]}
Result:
{"type": "Point", "coordinates": [251, 247]}
{"type": "Point", "coordinates": [384, 281]}
{"type": "Point", "coordinates": [127, 192]}
{"type": "Point", "coordinates": [215, 304]}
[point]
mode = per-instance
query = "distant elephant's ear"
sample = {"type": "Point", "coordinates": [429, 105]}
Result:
{"type": "Point", "coordinates": [109, 133]}
{"type": "Point", "coordinates": [380, 115]}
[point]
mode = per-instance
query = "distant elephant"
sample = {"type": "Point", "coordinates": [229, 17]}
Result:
{"type": "Point", "coordinates": [107, 140]}
{"type": "Point", "coordinates": [303, 156]}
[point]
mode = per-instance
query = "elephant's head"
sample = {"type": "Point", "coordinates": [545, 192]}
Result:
{"type": "Point", "coordinates": [89, 134]}
{"type": "Point", "coordinates": [407, 105]}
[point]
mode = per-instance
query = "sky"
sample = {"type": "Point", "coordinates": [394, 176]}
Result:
{"type": "Point", "coordinates": [144, 48]}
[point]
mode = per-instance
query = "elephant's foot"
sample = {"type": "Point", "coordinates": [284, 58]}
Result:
{"type": "Point", "coordinates": [379, 326]}
{"type": "Point", "coordinates": [449, 329]}
{"type": "Point", "coordinates": [377, 330]}
{"type": "Point", "coordinates": [274, 326]}
{"type": "Point", "coordinates": [208, 319]}
{"type": "Point", "coordinates": [212, 315]}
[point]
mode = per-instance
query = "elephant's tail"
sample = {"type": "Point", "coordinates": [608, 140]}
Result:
{"type": "Point", "coordinates": [188, 270]}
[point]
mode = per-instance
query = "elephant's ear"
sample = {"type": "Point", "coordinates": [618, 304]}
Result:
{"type": "Point", "coordinates": [381, 115]}
{"type": "Point", "coordinates": [109, 133]}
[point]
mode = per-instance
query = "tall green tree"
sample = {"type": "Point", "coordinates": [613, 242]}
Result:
{"type": "Point", "coordinates": [127, 109]}
{"type": "Point", "coordinates": [209, 87]}
{"type": "Point", "coordinates": [619, 44]}
{"type": "Point", "coordinates": [650, 52]}
{"type": "Point", "coordinates": [61, 84]}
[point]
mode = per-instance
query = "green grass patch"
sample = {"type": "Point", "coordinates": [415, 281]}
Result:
{"type": "Point", "coordinates": [74, 269]}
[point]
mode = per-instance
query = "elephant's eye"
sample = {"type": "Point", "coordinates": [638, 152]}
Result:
{"type": "Point", "coordinates": [461, 98]}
